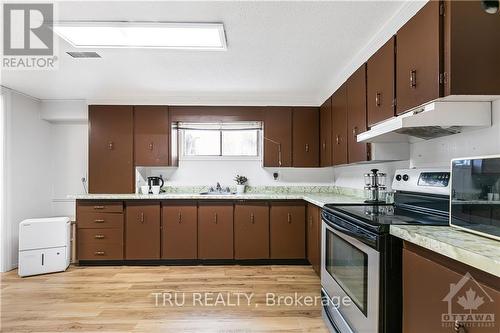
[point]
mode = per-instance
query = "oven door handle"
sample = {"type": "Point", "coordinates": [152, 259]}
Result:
{"type": "Point", "coordinates": [356, 233]}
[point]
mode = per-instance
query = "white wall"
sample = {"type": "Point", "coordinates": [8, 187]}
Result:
{"type": "Point", "coordinates": [28, 170]}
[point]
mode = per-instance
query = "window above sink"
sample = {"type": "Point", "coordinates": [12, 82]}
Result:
{"type": "Point", "coordinates": [221, 141]}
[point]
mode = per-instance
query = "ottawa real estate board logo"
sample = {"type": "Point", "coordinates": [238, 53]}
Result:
{"type": "Point", "coordinates": [469, 305]}
{"type": "Point", "coordinates": [28, 38]}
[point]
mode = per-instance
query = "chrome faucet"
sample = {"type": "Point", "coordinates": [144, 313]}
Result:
{"type": "Point", "coordinates": [218, 188]}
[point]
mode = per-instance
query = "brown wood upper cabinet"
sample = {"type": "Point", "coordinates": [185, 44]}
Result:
{"type": "Point", "coordinates": [356, 115]}
{"type": "Point", "coordinates": [215, 230]}
{"type": "Point", "coordinates": [278, 137]}
{"type": "Point", "coordinates": [418, 58]}
{"type": "Point", "coordinates": [339, 118]}
{"type": "Point", "coordinates": [179, 238]}
{"type": "Point", "coordinates": [314, 237]}
{"type": "Point", "coordinates": [111, 142]}
{"type": "Point", "coordinates": [381, 83]}
{"type": "Point", "coordinates": [251, 230]}
{"type": "Point", "coordinates": [325, 133]}
{"type": "Point", "coordinates": [305, 135]}
{"type": "Point", "coordinates": [434, 284]}
{"type": "Point", "coordinates": [444, 50]}
{"type": "Point", "coordinates": [287, 230]}
{"type": "Point", "coordinates": [151, 135]}
{"type": "Point", "coordinates": [142, 230]}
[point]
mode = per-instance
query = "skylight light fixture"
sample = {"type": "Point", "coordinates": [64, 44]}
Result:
{"type": "Point", "coordinates": [155, 35]}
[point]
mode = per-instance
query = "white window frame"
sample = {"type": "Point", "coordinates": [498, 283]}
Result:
{"type": "Point", "coordinates": [184, 157]}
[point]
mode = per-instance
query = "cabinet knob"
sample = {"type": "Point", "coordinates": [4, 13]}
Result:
{"type": "Point", "coordinates": [99, 220]}
{"type": "Point", "coordinates": [413, 78]}
{"type": "Point", "coordinates": [377, 99]}
{"type": "Point", "coordinates": [99, 253]}
{"type": "Point", "coordinates": [111, 145]}
{"type": "Point", "coordinates": [459, 327]}
{"type": "Point", "coordinates": [289, 218]}
{"type": "Point", "coordinates": [151, 145]}
{"type": "Point", "coordinates": [180, 217]}
{"type": "Point", "coordinates": [252, 218]}
{"type": "Point", "coordinates": [99, 236]}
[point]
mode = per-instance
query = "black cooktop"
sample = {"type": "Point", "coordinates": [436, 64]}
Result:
{"type": "Point", "coordinates": [380, 217]}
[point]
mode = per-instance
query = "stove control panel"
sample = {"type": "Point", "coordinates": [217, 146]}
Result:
{"type": "Point", "coordinates": [429, 180]}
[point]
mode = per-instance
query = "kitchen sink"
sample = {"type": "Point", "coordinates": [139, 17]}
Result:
{"type": "Point", "coordinates": [217, 193]}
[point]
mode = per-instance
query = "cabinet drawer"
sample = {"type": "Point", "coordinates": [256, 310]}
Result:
{"type": "Point", "coordinates": [103, 207]}
{"type": "Point", "coordinates": [106, 250]}
{"type": "Point", "coordinates": [99, 220]}
{"type": "Point", "coordinates": [100, 236]}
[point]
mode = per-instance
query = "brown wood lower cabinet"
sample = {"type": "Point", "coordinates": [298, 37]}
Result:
{"type": "Point", "coordinates": [215, 230]}
{"type": "Point", "coordinates": [100, 244]}
{"type": "Point", "coordinates": [179, 230]}
{"type": "Point", "coordinates": [142, 230]}
{"type": "Point", "coordinates": [314, 237]}
{"type": "Point", "coordinates": [251, 230]}
{"type": "Point", "coordinates": [434, 286]}
{"type": "Point", "coordinates": [287, 230]}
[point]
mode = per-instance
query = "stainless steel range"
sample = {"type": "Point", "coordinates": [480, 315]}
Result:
{"type": "Point", "coordinates": [361, 262]}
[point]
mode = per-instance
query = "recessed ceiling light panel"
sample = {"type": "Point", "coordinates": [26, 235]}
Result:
{"type": "Point", "coordinates": [193, 36]}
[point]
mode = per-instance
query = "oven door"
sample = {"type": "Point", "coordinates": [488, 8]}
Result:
{"type": "Point", "coordinates": [350, 270]}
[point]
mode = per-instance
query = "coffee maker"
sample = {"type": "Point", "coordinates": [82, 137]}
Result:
{"type": "Point", "coordinates": [155, 181]}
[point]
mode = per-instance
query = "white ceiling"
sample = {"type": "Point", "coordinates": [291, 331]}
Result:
{"type": "Point", "coordinates": [278, 53]}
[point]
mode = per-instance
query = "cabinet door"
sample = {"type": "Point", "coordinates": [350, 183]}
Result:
{"type": "Point", "coordinates": [313, 237]}
{"type": "Point", "coordinates": [325, 132]}
{"type": "Point", "coordinates": [339, 117]}
{"type": "Point", "coordinates": [251, 230]}
{"type": "Point", "coordinates": [151, 136]}
{"type": "Point", "coordinates": [356, 115]}
{"type": "Point", "coordinates": [418, 59]}
{"type": "Point", "coordinates": [432, 290]}
{"type": "Point", "coordinates": [142, 230]}
{"type": "Point", "coordinates": [215, 230]}
{"type": "Point", "coordinates": [278, 137]}
{"type": "Point", "coordinates": [288, 230]}
{"type": "Point", "coordinates": [111, 168]}
{"type": "Point", "coordinates": [380, 83]}
{"type": "Point", "coordinates": [179, 230]}
{"type": "Point", "coordinates": [305, 136]}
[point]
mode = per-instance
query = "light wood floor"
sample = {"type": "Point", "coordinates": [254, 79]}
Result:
{"type": "Point", "coordinates": [121, 299]}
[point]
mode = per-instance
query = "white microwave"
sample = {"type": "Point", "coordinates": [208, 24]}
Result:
{"type": "Point", "coordinates": [475, 195]}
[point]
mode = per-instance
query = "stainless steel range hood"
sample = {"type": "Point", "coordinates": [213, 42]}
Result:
{"type": "Point", "coordinates": [433, 120]}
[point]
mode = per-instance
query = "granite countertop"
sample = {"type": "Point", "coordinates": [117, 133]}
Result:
{"type": "Point", "coordinates": [480, 252]}
{"type": "Point", "coordinates": [318, 199]}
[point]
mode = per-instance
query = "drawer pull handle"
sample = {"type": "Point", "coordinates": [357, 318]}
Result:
{"type": "Point", "coordinates": [142, 217]}
{"type": "Point", "coordinates": [355, 131]}
{"type": "Point", "coordinates": [99, 236]}
{"type": "Point", "coordinates": [98, 207]}
{"type": "Point", "coordinates": [307, 147]}
{"type": "Point", "coordinates": [413, 78]}
{"type": "Point", "coordinates": [289, 218]}
{"type": "Point", "coordinates": [324, 145]}
{"type": "Point", "coordinates": [377, 99]}
{"type": "Point", "coordinates": [252, 218]}
{"type": "Point", "coordinates": [99, 221]}
{"type": "Point", "coordinates": [151, 145]}
{"type": "Point", "coordinates": [111, 145]}
{"type": "Point", "coordinates": [180, 217]}
{"type": "Point", "coordinates": [99, 253]}
{"type": "Point", "coordinates": [337, 138]}
{"type": "Point", "coordinates": [215, 218]}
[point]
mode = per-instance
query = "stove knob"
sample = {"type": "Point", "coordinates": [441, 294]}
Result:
{"type": "Point", "coordinates": [398, 178]}
{"type": "Point", "coordinates": [406, 177]}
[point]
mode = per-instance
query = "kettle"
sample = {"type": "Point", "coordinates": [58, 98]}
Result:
{"type": "Point", "coordinates": [155, 181]}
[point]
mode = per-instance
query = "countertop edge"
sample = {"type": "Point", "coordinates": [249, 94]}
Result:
{"type": "Point", "coordinates": [441, 246]}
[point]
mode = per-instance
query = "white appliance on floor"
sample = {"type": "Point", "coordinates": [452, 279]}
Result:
{"type": "Point", "coordinates": [44, 245]}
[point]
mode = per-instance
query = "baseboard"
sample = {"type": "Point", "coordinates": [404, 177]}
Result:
{"type": "Point", "coordinates": [193, 262]}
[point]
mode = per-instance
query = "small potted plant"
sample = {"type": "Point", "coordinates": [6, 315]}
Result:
{"type": "Point", "coordinates": [240, 183]}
